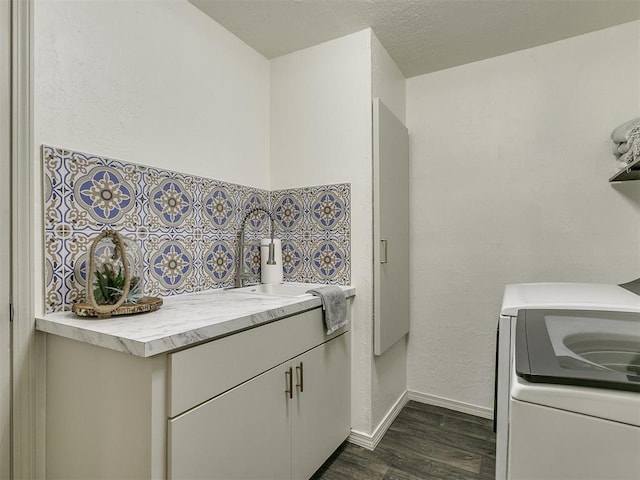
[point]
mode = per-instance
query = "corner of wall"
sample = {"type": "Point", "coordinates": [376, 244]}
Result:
{"type": "Point", "coordinates": [388, 371]}
{"type": "Point", "coordinates": [320, 115]}
{"type": "Point", "coordinates": [387, 80]}
{"type": "Point", "coordinates": [530, 120]}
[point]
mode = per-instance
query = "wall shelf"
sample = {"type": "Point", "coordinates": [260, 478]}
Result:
{"type": "Point", "coordinates": [632, 172]}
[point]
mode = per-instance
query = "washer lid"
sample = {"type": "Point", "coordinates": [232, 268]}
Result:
{"type": "Point", "coordinates": [601, 401]}
{"type": "Point", "coordinates": [570, 296]}
{"type": "Point", "coordinates": [585, 348]}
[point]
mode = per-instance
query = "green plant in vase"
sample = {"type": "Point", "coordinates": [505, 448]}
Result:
{"type": "Point", "coordinates": [109, 286]}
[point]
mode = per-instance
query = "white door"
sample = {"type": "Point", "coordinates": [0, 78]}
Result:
{"type": "Point", "coordinates": [322, 403]}
{"type": "Point", "coordinates": [5, 178]}
{"type": "Point", "coordinates": [390, 228]}
{"type": "Point", "coordinates": [242, 434]}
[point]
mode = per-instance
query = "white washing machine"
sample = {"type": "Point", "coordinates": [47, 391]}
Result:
{"type": "Point", "coordinates": [555, 430]}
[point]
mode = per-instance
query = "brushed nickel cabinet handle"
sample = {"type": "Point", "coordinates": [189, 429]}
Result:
{"type": "Point", "coordinates": [383, 251]}
{"type": "Point", "coordinates": [288, 375]}
{"type": "Point", "coordinates": [300, 374]}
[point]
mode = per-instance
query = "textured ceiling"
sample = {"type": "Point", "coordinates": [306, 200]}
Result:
{"type": "Point", "coordinates": [422, 36]}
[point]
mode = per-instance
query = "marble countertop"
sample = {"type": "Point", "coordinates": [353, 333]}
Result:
{"type": "Point", "coordinates": [183, 320]}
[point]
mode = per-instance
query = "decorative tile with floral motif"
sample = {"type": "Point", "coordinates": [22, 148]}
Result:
{"type": "Point", "coordinates": [314, 224]}
{"type": "Point", "coordinates": [187, 226]}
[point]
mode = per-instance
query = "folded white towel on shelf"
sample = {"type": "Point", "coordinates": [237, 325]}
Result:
{"type": "Point", "coordinates": [621, 133]}
{"type": "Point", "coordinates": [629, 151]}
{"type": "Point", "coordinates": [626, 158]}
{"type": "Point", "coordinates": [634, 136]}
{"type": "Point", "coordinates": [614, 150]}
{"type": "Point", "coordinates": [626, 147]}
{"type": "Point", "coordinates": [622, 148]}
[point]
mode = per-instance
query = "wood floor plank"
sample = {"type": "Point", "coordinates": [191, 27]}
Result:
{"type": "Point", "coordinates": [395, 474]}
{"type": "Point", "coordinates": [421, 449]}
{"type": "Point", "coordinates": [488, 467]}
{"type": "Point", "coordinates": [427, 469]}
{"type": "Point", "coordinates": [424, 442]}
{"type": "Point", "coordinates": [468, 428]}
{"type": "Point", "coordinates": [353, 462]}
{"type": "Point", "coordinates": [422, 418]}
{"type": "Point", "coordinates": [458, 439]}
{"type": "Point", "coordinates": [449, 413]}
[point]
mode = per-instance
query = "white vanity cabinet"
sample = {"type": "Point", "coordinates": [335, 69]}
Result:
{"type": "Point", "coordinates": [220, 409]}
{"type": "Point", "coordinates": [272, 413]}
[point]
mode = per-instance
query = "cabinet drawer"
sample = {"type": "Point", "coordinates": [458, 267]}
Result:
{"type": "Point", "coordinates": [202, 372]}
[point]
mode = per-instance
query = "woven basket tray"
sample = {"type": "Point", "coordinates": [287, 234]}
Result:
{"type": "Point", "coordinates": [146, 304]}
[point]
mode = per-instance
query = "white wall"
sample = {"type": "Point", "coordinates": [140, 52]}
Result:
{"type": "Point", "coordinates": [389, 372]}
{"type": "Point", "coordinates": [156, 83]}
{"type": "Point", "coordinates": [510, 158]}
{"type": "Point", "coordinates": [387, 80]}
{"type": "Point", "coordinates": [510, 162]}
{"type": "Point", "coordinates": [320, 134]}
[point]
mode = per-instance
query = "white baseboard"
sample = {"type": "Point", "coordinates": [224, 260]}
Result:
{"type": "Point", "coordinates": [371, 441]}
{"type": "Point", "coordinates": [451, 404]}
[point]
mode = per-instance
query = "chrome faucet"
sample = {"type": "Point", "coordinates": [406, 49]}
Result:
{"type": "Point", "coordinates": [242, 273]}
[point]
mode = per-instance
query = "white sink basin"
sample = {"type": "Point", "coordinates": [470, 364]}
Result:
{"type": "Point", "coordinates": [281, 289]}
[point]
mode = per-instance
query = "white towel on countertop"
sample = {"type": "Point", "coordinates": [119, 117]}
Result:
{"type": "Point", "coordinates": [334, 304]}
{"type": "Point", "coordinates": [621, 133]}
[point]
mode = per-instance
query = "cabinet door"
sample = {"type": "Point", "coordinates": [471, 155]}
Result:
{"type": "Point", "coordinates": [390, 228]}
{"type": "Point", "coordinates": [322, 402]}
{"type": "Point", "coordinates": [242, 434]}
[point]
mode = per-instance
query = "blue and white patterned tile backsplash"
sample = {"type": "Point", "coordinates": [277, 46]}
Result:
{"type": "Point", "coordinates": [314, 224]}
{"type": "Point", "coordinates": [186, 226]}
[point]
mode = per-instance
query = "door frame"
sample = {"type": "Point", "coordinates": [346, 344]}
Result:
{"type": "Point", "coordinates": [5, 239]}
{"type": "Point", "coordinates": [27, 412]}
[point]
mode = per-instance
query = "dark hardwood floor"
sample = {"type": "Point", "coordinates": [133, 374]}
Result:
{"type": "Point", "coordinates": [424, 442]}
